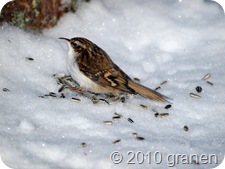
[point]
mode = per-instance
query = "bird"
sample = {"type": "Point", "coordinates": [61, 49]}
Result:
{"type": "Point", "coordinates": [94, 71]}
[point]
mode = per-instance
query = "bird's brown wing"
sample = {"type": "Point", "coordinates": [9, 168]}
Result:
{"type": "Point", "coordinates": [103, 71]}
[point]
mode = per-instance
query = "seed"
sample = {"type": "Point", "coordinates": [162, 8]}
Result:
{"type": "Point", "coordinates": [59, 75]}
{"type": "Point", "coordinates": [168, 106]}
{"type": "Point", "coordinates": [108, 122]}
{"type": "Point", "coordinates": [116, 117]}
{"type": "Point", "coordinates": [195, 96]}
{"type": "Point", "coordinates": [198, 89]}
{"type": "Point", "coordinates": [83, 144]}
{"type": "Point", "coordinates": [164, 115]}
{"type": "Point", "coordinates": [61, 88]}
{"type": "Point", "coordinates": [117, 114]}
{"type": "Point", "coordinates": [5, 90]}
{"type": "Point", "coordinates": [143, 106]}
{"type": "Point", "coordinates": [130, 120]}
{"type": "Point", "coordinates": [116, 141]}
{"type": "Point", "coordinates": [28, 58]}
{"type": "Point", "coordinates": [41, 96]}
{"type": "Point", "coordinates": [52, 94]}
{"type": "Point", "coordinates": [104, 101]}
{"type": "Point", "coordinates": [122, 99]}
{"type": "Point", "coordinates": [156, 114]}
{"type": "Point", "coordinates": [210, 83]}
{"type": "Point", "coordinates": [137, 80]}
{"type": "Point", "coordinates": [75, 99]}
{"type": "Point", "coordinates": [62, 95]}
{"type": "Point", "coordinates": [186, 128]}
{"type": "Point", "coordinates": [157, 88]}
{"type": "Point", "coordinates": [207, 76]}
{"type": "Point", "coordinates": [140, 138]}
{"type": "Point", "coordinates": [163, 83]}
{"type": "Point", "coordinates": [135, 134]}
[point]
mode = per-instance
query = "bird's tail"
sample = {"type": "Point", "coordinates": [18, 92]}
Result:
{"type": "Point", "coordinates": [147, 92]}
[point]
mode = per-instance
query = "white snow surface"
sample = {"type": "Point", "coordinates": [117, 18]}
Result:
{"type": "Point", "coordinates": [177, 41]}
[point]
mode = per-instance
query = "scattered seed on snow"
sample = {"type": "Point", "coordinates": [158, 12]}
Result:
{"type": "Point", "coordinates": [83, 144]}
{"type": "Point", "coordinates": [135, 134]}
{"type": "Point", "coordinates": [108, 122]}
{"type": "Point", "coordinates": [62, 95]}
{"type": "Point", "coordinates": [52, 94]}
{"type": "Point", "coordinates": [144, 106]}
{"type": "Point", "coordinates": [62, 88]}
{"type": "Point", "coordinates": [29, 58]}
{"type": "Point", "coordinates": [207, 76]}
{"type": "Point", "coordinates": [140, 138]}
{"type": "Point", "coordinates": [198, 89]}
{"type": "Point", "coordinates": [164, 115]}
{"type": "Point", "coordinates": [59, 75]}
{"type": "Point", "coordinates": [185, 128]}
{"type": "Point", "coordinates": [116, 117]}
{"type": "Point", "coordinates": [210, 83]}
{"type": "Point", "coordinates": [130, 120]}
{"type": "Point", "coordinates": [168, 106]}
{"type": "Point", "coordinates": [195, 96]}
{"type": "Point", "coordinates": [163, 83]}
{"type": "Point", "coordinates": [157, 88]}
{"type": "Point", "coordinates": [137, 80]}
{"type": "Point", "coordinates": [117, 114]}
{"type": "Point", "coordinates": [75, 99]}
{"type": "Point", "coordinates": [116, 141]}
{"type": "Point", "coordinates": [5, 90]}
{"type": "Point", "coordinates": [156, 114]}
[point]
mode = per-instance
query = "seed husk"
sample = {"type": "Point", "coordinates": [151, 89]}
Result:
{"type": "Point", "coordinates": [59, 75]}
{"type": "Point", "coordinates": [52, 94]}
{"type": "Point", "coordinates": [62, 88]}
{"type": "Point", "coordinates": [135, 135]}
{"type": "Point", "coordinates": [29, 58]}
{"type": "Point", "coordinates": [130, 120]}
{"type": "Point", "coordinates": [207, 76]}
{"type": "Point", "coordinates": [108, 122]}
{"type": "Point", "coordinates": [83, 144]}
{"type": "Point", "coordinates": [164, 115]}
{"type": "Point", "coordinates": [137, 80]}
{"type": "Point", "coordinates": [5, 90]}
{"type": "Point", "coordinates": [144, 106]}
{"type": "Point", "coordinates": [117, 114]}
{"type": "Point", "coordinates": [123, 99]}
{"type": "Point", "coordinates": [116, 141]}
{"type": "Point", "coordinates": [116, 117]}
{"type": "Point", "coordinates": [210, 83]}
{"type": "Point", "coordinates": [198, 89]}
{"type": "Point", "coordinates": [163, 83]}
{"type": "Point", "coordinates": [168, 106]}
{"type": "Point", "coordinates": [185, 128]}
{"type": "Point", "coordinates": [140, 138]}
{"type": "Point", "coordinates": [75, 99]}
{"type": "Point", "coordinates": [195, 96]}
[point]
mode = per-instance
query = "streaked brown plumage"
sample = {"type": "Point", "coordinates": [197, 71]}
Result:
{"type": "Point", "coordinates": [92, 68]}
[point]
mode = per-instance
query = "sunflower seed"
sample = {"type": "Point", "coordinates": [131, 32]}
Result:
{"type": "Point", "coordinates": [116, 117]}
{"type": "Point", "coordinates": [140, 138]}
{"type": "Point", "coordinates": [198, 89]}
{"type": "Point", "coordinates": [210, 83]}
{"type": "Point", "coordinates": [116, 141]}
{"type": "Point", "coordinates": [75, 99]}
{"type": "Point", "coordinates": [168, 106]}
{"type": "Point", "coordinates": [156, 114]}
{"type": "Point", "coordinates": [164, 115]}
{"type": "Point", "coordinates": [143, 106]}
{"type": "Point", "coordinates": [62, 88]}
{"type": "Point", "coordinates": [30, 59]}
{"type": "Point", "coordinates": [207, 76]}
{"type": "Point", "coordinates": [163, 83]}
{"type": "Point", "coordinates": [157, 88]}
{"type": "Point", "coordinates": [137, 80]}
{"type": "Point", "coordinates": [104, 101]}
{"type": "Point", "coordinates": [130, 120]}
{"type": "Point", "coordinates": [5, 90]}
{"type": "Point", "coordinates": [83, 144]}
{"type": "Point", "coordinates": [108, 122]}
{"type": "Point", "coordinates": [135, 134]}
{"type": "Point", "coordinates": [117, 114]}
{"type": "Point", "coordinates": [62, 95]}
{"type": "Point", "coordinates": [185, 128]}
{"type": "Point", "coordinates": [59, 75]}
{"type": "Point", "coordinates": [195, 96]}
{"type": "Point", "coordinates": [52, 94]}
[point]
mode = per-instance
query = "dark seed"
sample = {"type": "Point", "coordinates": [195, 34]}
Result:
{"type": "Point", "coordinates": [61, 88]}
{"type": "Point", "coordinates": [198, 89]}
{"type": "Point", "coordinates": [143, 106]}
{"type": "Point", "coordinates": [116, 117]}
{"type": "Point", "coordinates": [163, 83]}
{"type": "Point", "coordinates": [168, 106]}
{"type": "Point", "coordinates": [210, 83]}
{"type": "Point", "coordinates": [75, 99]}
{"type": "Point", "coordinates": [140, 138]}
{"type": "Point", "coordinates": [52, 94]}
{"type": "Point", "coordinates": [104, 101]}
{"type": "Point", "coordinates": [157, 88]}
{"type": "Point", "coordinates": [28, 58]}
{"type": "Point", "coordinates": [116, 141]}
{"type": "Point", "coordinates": [117, 114]}
{"type": "Point", "coordinates": [137, 80]}
{"type": "Point", "coordinates": [156, 114]}
{"type": "Point", "coordinates": [83, 144]}
{"type": "Point", "coordinates": [5, 90]}
{"type": "Point", "coordinates": [186, 128]}
{"type": "Point", "coordinates": [130, 120]}
{"type": "Point", "coordinates": [122, 99]}
{"type": "Point", "coordinates": [41, 96]}
{"type": "Point", "coordinates": [62, 95]}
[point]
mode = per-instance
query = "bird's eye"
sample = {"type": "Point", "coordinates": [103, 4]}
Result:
{"type": "Point", "coordinates": [74, 43]}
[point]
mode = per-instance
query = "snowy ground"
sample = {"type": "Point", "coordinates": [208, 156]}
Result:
{"type": "Point", "coordinates": [155, 41]}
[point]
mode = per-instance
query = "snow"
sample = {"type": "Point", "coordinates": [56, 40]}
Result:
{"type": "Point", "coordinates": [177, 41]}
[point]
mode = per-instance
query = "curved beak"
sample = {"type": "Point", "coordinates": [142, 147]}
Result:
{"type": "Point", "coordinates": [65, 39]}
